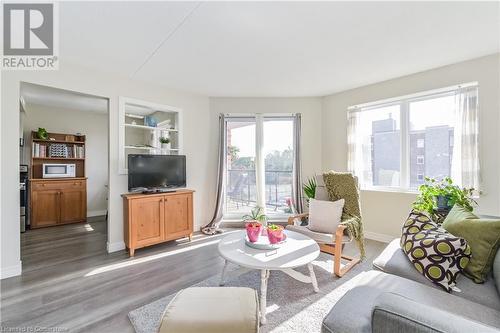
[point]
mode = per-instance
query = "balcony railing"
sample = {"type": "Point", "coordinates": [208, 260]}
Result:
{"type": "Point", "coordinates": [241, 190]}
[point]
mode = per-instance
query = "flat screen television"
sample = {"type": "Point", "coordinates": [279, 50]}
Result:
{"type": "Point", "coordinates": [156, 173]}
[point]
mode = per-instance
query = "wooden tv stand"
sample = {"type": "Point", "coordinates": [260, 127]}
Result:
{"type": "Point", "coordinates": [150, 219]}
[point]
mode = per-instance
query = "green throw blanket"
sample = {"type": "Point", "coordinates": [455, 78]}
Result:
{"type": "Point", "coordinates": [343, 185]}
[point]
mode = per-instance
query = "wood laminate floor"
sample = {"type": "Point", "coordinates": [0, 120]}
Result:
{"type": "Point", "coordinates": [71, 284]}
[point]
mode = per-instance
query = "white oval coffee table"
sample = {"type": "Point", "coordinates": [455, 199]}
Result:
{"type": "Point", "coordinates": [298, 250]}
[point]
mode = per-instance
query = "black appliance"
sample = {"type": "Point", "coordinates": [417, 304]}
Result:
{"type": "Point", "coordinates": [156, 173]}
{"type": "Point", "coordinates": [23, 189]}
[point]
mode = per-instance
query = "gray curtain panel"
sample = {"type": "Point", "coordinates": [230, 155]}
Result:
{"type": "Point", "coordinates": [213, 227]}
{"type": "Point", "coordinates": [297, 169]}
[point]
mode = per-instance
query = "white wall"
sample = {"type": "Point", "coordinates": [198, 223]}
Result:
{"type": "Point", "coordinates": [384, 212]}
{"type": "Point", "coordinates": [92, 124]}
{"type": "Point", "coordinates": [309, 107]}
{"type": "Point", "coordinates": [196, 136]}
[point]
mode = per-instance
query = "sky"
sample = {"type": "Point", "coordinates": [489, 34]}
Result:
{"type": "Point", "coordinates": [425, 113]}
{"type": "Point", "coordinates": [278, 135]}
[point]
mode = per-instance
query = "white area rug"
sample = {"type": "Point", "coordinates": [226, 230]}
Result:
{"type": "Point", "coordinates": [292, 306]}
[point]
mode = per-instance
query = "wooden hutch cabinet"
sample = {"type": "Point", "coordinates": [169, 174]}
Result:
{"type": "Point", "coordinates": [55, 201]}
{"type": "Point", "coordinates": [155, 218]}
{"type": "Point", "coordinates": [58, 201]}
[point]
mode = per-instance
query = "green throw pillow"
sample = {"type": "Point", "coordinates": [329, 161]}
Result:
{"type": "Point", "coordinates": [482, 235]}
{"type": "Point", "coordinates": [435, 253]}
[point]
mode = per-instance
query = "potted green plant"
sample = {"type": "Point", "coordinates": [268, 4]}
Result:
{"type": "Point", "coordinates": [310, 189]}
{"type": "Point", "coordinates": [257, 215]}
{"type": "Point", "coordinates": [441, 195]}
{"type": "Point", "coordinates": [165, 143]}
{"type": "Point", "coordinates": [42, 133]}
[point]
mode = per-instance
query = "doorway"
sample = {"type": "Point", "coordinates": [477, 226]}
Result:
{"type": "Point", "coordinates": [64, 143]}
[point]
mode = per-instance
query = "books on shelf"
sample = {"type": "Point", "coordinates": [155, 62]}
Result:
{"type": "Point", "coordinates": [57, 150]}
{"type": "Point", "coordinates": [78, 152]}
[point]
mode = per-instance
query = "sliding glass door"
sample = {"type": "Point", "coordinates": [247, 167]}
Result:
{"type": "Point", "coordinates": [247, 139]}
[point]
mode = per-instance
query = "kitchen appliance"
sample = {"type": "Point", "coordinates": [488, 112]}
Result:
{"type": "Point", "coordinates": [57, 170]}
{"type": "Point", "coordinates": [23, 189]}
{"type": "Point", "coordinates": [156, 173]}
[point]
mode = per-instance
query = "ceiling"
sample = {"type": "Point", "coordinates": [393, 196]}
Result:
{"type": "Point", "coordinates": [34, 94]}
{"type": "Point", "coordinates": [274, 48]}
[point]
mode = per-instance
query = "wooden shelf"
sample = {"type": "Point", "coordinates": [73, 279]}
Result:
{"type": "Point", "coordinates": [59, 141]}
{"type": "Point", "coordinates": [151, 128]}
{"type": "Point", "coordinates": [140, 147]}
{"type": "Point", "coordinates": [59, 158]}
{"type": "Point", "coordinates": [56, 179]}
{"type": "Point", "coordinates": [37, 162]}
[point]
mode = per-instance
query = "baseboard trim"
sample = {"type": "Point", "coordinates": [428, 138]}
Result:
{"type": "Point", "coordinates": [379, 237]}
{"type": "Point", "coordinates": [92, 213]}
{"type": "Point", "coordinates": [10, 271]}
{"type": "Point", "coordinates": [115, 247]}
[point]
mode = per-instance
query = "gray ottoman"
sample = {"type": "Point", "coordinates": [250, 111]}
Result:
{"type": "Point", "coordinates": [212, 310]}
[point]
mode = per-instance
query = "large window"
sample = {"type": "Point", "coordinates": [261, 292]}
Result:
{"type": "Point", "coordinates": [241, 193]}
{"type": "Point", "coordinates": [397, 143]}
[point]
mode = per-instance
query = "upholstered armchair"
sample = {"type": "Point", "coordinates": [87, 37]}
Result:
{"type": "Point", "coordinates": [328, 243]}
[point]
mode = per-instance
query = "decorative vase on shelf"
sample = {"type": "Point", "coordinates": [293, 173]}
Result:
{"type": "Point", "coordinates": [165, 146]}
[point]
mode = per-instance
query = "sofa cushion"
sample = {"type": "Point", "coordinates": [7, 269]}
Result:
{"type": "Point", "coordinates": [496, 271]}
{"type": "Point", "coordinates": [396, 313]}
{"type": "Point", "coordinates": [319, 237]}
{"type": "Point", "coordinates": [353, 312]}
{"type": "Point", "coordinates": [393, 261]}
{"type": "Point", "coordinates": [482, 235]}
{"type": "Point", "coordinates": [324, 215]}
{"type": "Point", "coordinates": [434, 253]}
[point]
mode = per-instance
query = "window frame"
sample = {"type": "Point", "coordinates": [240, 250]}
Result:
{"type": "Point", "coordinates": [235, 216]}
{"type": "Point", "coordinates": [404, 116]}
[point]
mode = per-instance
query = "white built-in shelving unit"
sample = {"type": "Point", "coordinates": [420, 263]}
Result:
{"type": "Point", "coordinates": [142, 124]}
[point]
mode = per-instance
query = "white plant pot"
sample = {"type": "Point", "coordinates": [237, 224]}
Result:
{"type": "Point", "coordinates": [165, 146]}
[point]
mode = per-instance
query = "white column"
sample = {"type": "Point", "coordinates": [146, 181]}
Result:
{"type": "Point", "coordinates": [260, 174]}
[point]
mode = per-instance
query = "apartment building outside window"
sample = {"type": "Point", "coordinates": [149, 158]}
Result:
{"type": "Point", "coordinates": [395, 144]}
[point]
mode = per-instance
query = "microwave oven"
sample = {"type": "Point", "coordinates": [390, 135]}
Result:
{"type": "Point", "coordinates": [56, 170]}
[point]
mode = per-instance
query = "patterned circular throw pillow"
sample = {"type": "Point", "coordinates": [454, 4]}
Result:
{"type": "Point", "coordinates": [435, 253]}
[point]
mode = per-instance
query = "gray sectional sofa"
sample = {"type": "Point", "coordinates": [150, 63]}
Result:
{"type": "Point", "coordinates": [394, 297]}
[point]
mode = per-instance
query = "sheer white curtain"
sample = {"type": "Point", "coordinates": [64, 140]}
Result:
{"type": "Point", "coordinates": [465, 169]}
{"type": "Point", "coordinates": [354, 144]}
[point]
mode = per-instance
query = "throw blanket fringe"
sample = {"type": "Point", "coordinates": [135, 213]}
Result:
{"type": "Point", "coordinates": [343, 185]}
{"type": "Point", "coordinates": [355, 230]}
